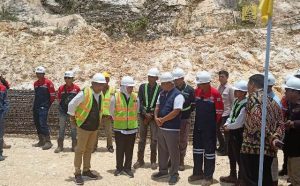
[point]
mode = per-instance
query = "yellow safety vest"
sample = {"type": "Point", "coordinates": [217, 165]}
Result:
{"type": "Point", "coordinates": [106, 100]}
{"type": "Point", "coordinates": [84, 108]}
{"type": "Point", "coordinates": [126, 116]}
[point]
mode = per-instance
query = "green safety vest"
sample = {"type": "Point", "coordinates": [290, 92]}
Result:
{"type": "Point", "coordinates": [153, 97]}
{"type": "Point", "coordinates": [126, 116]}
{"type": "Point", "coordinates": [106, 100]}
{"type": "Point", "coordinates": [188, 107]}
{"type": "Point", "coordinates": [236, 110]}
{"type": "Point", "coordinates": [84, 108]}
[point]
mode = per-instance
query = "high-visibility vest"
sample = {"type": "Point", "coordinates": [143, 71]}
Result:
{"type": "Point", "coordinates": [126, 116]}
{"type": "Point", "coordinates": [84, 108]}
{"type": "Point", "coordinates": [237, 107]}
{"type": "Point", "coordinates": [106, 100]}
{"type": "Point", "coordinates": [147, 105]}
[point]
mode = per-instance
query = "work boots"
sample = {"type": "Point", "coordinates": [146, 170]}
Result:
{"type": "Point", "coordinates": [74, 143]}
{"type": "Point", "coordinates": [140, 162]}
{"type": "Point", "coordinates": [47, 144]}
{"type": "Point", "coordinates": [153, 160]}
{"type": "Point", "coordinates": [181, 165]}
{"type": "Point", "coordinates": [60, 146]}
{"type": "Point", "coordinates": [41, 141]}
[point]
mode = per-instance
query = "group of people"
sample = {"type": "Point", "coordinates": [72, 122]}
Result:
{"type": "Point", "coordinates": [230, 114]}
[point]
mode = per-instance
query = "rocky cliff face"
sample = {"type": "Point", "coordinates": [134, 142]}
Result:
{"type": "Point", "coordinates": [191, 37]}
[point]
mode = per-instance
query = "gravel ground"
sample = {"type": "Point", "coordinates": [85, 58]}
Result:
{"type": "Point", "coordinates": [26, 165]}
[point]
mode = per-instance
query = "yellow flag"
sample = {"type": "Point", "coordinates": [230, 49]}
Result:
{"type": "Point", "coordinates": [266, 8]}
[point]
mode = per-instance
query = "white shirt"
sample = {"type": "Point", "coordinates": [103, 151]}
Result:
{"type": "Point", "coordinates": [178, 102]}
{"type": "Point", "coordinates": [112, 112]}
{"type": "Point", "coordinates": [79, 98]}
{"type": "Point", "coordinates": [228, 98]}
{"type": "Point", "coordinates": [240, 120]}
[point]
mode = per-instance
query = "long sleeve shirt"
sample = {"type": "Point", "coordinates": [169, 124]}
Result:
{"type": "Point", "coordinates": [44, 93]}
{"type": "Point", "coordinates": [215, 97]}
{"type": "Point", "coordinates": [152, 99]}
{"type": "Point", "coordinates": [79, 98]}
{"type": "Point", "coordinates": [252, 127]}
{"type": "Point", "coordinates": [239, 121]}
{"type": "Point", "coordinates": [112, 112]}
{"type": "Point", "coordinates": [228, 98]}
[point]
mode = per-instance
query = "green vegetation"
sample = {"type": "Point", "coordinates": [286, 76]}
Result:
{"type": "Point", "coordinates": [137, 26]}
{"type": "Point", "coordinates": [6, 15]}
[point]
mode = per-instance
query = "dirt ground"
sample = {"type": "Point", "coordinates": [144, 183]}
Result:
{"type": "Point", "coordinates": [26, 165]}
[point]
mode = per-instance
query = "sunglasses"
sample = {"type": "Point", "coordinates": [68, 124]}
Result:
{"type": "Point", "coordinates": [68, 78]}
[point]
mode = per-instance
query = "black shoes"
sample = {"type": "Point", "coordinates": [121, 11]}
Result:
{"type": "Point", "coordinates": [79, 180]}
{"type": "Point", "coordinates": [90, 175]}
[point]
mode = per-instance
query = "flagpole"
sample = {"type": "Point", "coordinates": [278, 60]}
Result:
{"type": "Point", "coordinates": [264, 109]}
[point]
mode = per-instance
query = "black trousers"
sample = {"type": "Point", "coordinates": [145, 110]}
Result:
{"type": "Point", "coordinates": [235, 140]}
{"type": "Point", "coordinates": [223, 139]}
{"type": "Point", "coordinates": [124, 148]}
{"type": "Point", "coordinates": [250, 170]}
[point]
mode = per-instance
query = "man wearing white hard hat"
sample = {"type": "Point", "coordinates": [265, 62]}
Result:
{"type": "Point", "coordinates": [168, 118]}
{"type": "Point", "coordinates": [43, 98]}
{"type": "Point", "coordinates": [188, 93]}
{"type": "Point", "coordinates": [292, 142]}
{"type": "Point", "coordinates": [148, 94]}
{"type": "Point", "coordinates": [271, 94]}
{"type": "Point", "coordinates": [124, 109]}
{"type": "Point", "coordinates": [85, 111]}
{"type": "Point", "coordinates": [285, 106]}
{"type": "Point", "coordinates": [65, 94]}
{"type": "Point", "coordinates": [106, 121]}
{"type": "Point", "coordinates": [209, 110]}
{"type": "Point", "coordinates": [234, 126]}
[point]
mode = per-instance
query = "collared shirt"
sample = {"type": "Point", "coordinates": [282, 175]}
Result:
{"type": "Point", "coordinates": [275, 98]}
{"type": "Point", "coordinates": [214, 96]}
{"type": "Point", "coordinates": [112, 112]}
{"type": "Point", "coordinates": [150, 93]}
{"type": "Point", "coordinates": [79, 98]}
{"type": "Point", "coordinates": [228, 97]}
{"type": "Point", "coordinates": [64, 89]}
{"type": "Point", "coordinates": [240, 120]}
{"type": "Point", "coordinates": [252, 126]}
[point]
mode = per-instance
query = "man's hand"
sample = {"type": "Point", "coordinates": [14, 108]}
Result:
{"type": "Point", "coordinates": [225, 128]}
{"type": "Point", "coordinates": [277, 144]}
{"type": "Point", "coordinates": [72, 120]}
{"type": "Point", "coordinates": [289, 124]}
{"type": "Point", "coordinates": [158, 122]}
{"type": "Point", "coordinates": [148, 116]}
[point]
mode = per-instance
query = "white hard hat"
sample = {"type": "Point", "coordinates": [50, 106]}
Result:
{"type": "Point", "coordinates": [178, 73]}
{"type": "Point", "coordinates": [287, 77]}
{"type": "Point", "coordinates": [203, 77]}
{"type": "Point", "coordinates": [241, 86]}
{"type": "Point", "coordinates": [127, 81]}
{"type": "Point", "coordinates": [40, 70]}
{"type": "Point", "coordinates": [154, 72]}
{"type": "Point", "coordinates": [98, 78]}
{"type": "Point", "coordinates": [271, 79]}
{"type": "Point", "coordinates": [293, 83]}
{"type": "Point", "coordinates": [166, 77]}
{"type": "Point", "coordinates": [69, 74]}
